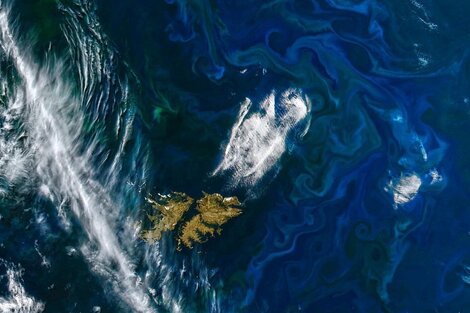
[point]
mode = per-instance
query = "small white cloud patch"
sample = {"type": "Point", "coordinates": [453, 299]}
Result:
{"type": "Point", "coordinates": [405, 188]}
{"type": "Point", "coordinates": [258, 139]}
{"type": "Point", "coordinates": [466, 275]}
{"type": "Point", "coordinates": [18, 301]}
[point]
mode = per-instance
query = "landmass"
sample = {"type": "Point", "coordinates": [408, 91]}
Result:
{"type": "Point", "coordinates": [170, 209]}
{"type": "Point", "coordinates": [212, 211]}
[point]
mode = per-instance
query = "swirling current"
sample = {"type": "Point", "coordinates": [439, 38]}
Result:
{"type": "Point", "coordinates": [339, 124]}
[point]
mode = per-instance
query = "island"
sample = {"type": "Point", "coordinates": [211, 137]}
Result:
{"type": "Point", "coordinates": [196, 221]}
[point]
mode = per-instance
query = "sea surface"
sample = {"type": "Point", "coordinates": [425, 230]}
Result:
{"type": "Point", "coordinates": [343, 126]}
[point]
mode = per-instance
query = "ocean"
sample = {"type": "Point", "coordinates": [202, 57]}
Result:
{"type": "Point", "coordinates": [339, 125]}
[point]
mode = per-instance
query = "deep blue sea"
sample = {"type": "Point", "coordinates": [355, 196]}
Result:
{"type": "Point", "coordinates": [343, 126]}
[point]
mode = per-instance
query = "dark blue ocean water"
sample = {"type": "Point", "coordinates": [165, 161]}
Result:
{"type": "Point", "coordinates": [342, 126]}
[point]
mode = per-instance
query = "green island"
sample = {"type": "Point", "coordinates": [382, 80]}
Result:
{"type": "Point", "coordinates": [211, 212]}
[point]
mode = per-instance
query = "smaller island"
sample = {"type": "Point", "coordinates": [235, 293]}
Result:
{"type": "Point", "coordinates": [212, 211]}
{"type": "Point", "coordinates": [170, 210]}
